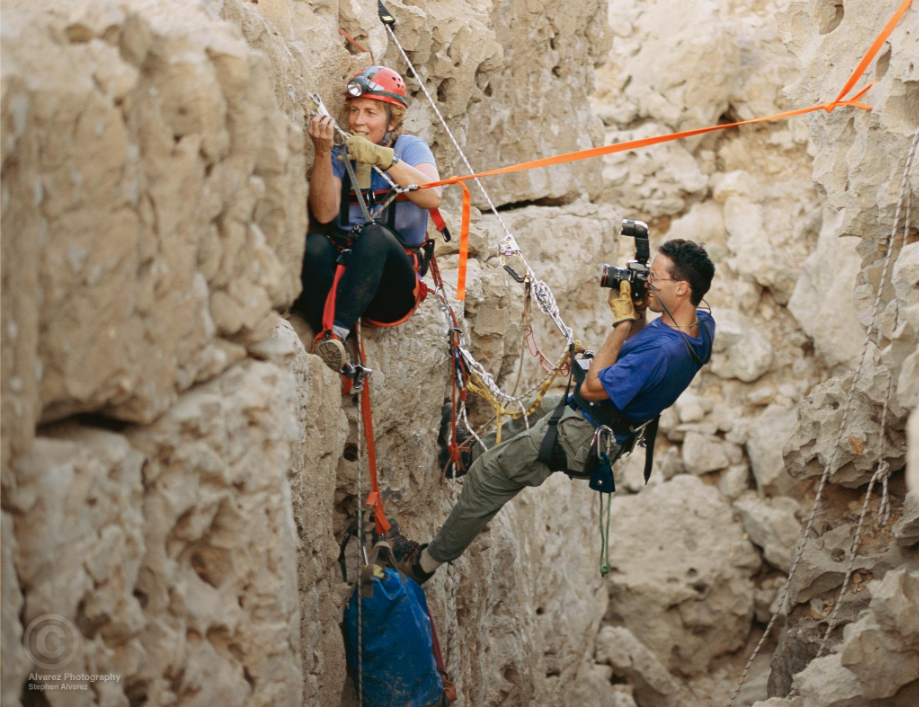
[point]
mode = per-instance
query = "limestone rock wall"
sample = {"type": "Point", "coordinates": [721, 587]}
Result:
{"type": "Point", "coordinates": [859, 164]}
{"type": "Point", "coordinates": [782, 208]}
{"type": "Point", "coordinates": [176, 469]}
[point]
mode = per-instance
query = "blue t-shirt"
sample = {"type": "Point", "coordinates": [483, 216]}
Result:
{"type": "Point", "coordinates": [654, 368]}
{"type": "Point", "coordinates": [411, 220]}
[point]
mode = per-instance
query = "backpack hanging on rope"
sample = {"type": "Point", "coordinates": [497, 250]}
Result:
{"type": "Point", "coordinates": [400, 662]}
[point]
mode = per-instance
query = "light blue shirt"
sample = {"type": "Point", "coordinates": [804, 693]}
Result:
{"type": "Point", "coordinates": [411, 220]}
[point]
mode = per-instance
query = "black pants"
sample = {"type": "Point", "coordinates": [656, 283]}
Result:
{"type": "Point", "coordinates": [379, 281]}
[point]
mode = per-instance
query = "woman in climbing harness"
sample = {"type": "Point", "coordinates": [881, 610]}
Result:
{"type": "Point", "coordinates": [384, 259]}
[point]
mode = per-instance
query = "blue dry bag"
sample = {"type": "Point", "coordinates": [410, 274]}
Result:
{"type": "Point", "coordinates": [399, 668]}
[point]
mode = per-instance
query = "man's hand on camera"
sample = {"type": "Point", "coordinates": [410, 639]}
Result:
{"type": "Point", "coordinates": [641, 305]}
{"type": "Point", "coordinates": [621, 305]}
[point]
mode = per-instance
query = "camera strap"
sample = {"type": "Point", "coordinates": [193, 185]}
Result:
{"type": "Point", "coordinates": [703, 326]}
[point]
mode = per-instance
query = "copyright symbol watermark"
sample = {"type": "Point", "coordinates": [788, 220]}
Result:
{"type": "Point", "coordinates": [51, 641]}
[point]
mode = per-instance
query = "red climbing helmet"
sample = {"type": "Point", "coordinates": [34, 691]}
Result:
{"type": "Point", "coordinates": [379, 84]}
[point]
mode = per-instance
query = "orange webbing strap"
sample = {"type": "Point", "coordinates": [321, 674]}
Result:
{"type": "Point", "coordinates": [872, 52]}
{"type": "Point", "coordinates": [440, 224]}
{"type": "Point", "coordinates": [647, 142]}
{"type": "Point", "coordinates": [375, 498]}
{"type": "Point", "coordinates": [328, 311]}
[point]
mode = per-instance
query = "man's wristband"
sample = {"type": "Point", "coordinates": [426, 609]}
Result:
{"type": "Point", "coordinates": [395, 161]}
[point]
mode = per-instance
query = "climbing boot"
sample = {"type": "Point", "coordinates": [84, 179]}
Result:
{"type": "Point", "coordinates": [333, 352]}
{"type": "Point", "coordinates": [443, 443]}
{"type": "Point", "coordinates": [408, 557]}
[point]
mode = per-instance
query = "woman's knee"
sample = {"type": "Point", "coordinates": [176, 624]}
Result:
{"type": "Point", "coordinates": [377, 237]}
{"type": "Point", "coordinates": [317, 246]}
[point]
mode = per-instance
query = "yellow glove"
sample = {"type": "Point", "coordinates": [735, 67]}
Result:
{"type": "Point", "coordinates": [621, 305]}
{"type": "Point", "coordinates": [361, 149]}
{"type": "Point", "coordinates": [364, 173]}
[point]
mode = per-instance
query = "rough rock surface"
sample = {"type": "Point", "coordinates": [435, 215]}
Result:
{"type": "Point", "coordinates": [166, 199]}
{"type": "Point", "coordinates": [147, 282]}
{"type": "Point", "coordinates": [862, 183]}
{"type": "Point", "coordinates": [693, 573]}
{"type": "Point", "coordinates": [182, 576]}
{"type": "Point", "coordinates": [630, 659]}
{"type": "Point", "coordinates": [176, 468]}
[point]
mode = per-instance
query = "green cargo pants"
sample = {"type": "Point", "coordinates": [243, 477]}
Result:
{"type": "Point", "coordinates": [499, 474]}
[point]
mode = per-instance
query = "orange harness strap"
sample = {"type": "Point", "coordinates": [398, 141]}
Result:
{"type": "Point", "coordinates": [646, 142]}
{"type": "Point", "coordinates": [375, 498]}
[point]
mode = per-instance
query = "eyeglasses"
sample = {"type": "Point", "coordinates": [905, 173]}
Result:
{"type": "Point", "coordinates": [652, 278]}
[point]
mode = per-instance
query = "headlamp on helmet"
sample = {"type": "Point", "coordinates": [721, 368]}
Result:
{"type": "Point", "coordinates": [360, 85]}
{"type": "Point", "coordinates": [380, 84]}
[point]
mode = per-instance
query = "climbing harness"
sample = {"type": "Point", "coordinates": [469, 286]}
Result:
{"type": "Point", "coordinates": [883, 469]}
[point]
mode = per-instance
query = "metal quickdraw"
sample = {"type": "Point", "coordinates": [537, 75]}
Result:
{"type": "Point", "coordinates": [522, 279]}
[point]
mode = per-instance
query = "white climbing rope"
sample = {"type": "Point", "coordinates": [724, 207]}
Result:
{"type": "Point", "coordinates": [509, 246]}
{"type": "Point", "coordinates": [882, 474]}
{"type": "Point", "coordinates": [883, 468]}
{"type": "Point", "coordinates": [489, 382]}
{"type": "Point", "coordinates": [362, 537]}
{"type": "Point", "coordinates": [453, 581]}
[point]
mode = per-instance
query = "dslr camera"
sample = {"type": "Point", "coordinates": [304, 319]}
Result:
{"type": "Point", "coordinates": [636, 271]}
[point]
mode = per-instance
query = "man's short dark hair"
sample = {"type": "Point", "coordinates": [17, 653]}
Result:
{"type": "Point", "coordinates": [690, 264]}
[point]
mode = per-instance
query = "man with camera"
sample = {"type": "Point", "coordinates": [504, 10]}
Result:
{"type": "Point", "coordinates": [641, 369]}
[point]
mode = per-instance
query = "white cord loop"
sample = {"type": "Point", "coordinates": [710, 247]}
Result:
{"type": "Point", "coordinates": [883, 468]}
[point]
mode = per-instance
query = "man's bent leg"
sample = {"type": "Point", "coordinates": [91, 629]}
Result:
{"type": "Point", "coordinates": [511, 427]}
{"type": "Point", "coordinates": [494, 479]}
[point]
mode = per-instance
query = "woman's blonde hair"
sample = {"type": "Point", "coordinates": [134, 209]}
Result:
{"type": "Point", "coordinates": [397, 118]}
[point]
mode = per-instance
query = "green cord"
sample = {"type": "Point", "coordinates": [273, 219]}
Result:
{"type": "Point", "coordinates": [604, 534]}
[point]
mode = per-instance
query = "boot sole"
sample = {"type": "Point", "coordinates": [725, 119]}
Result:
{"type": "Point", "coordinates": [332, 352]}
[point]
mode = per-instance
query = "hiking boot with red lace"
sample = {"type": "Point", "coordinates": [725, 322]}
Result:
{"type": "Point", "coordinates": [333, 352]}
{"type": "Point", "coordinates": [408, 557]}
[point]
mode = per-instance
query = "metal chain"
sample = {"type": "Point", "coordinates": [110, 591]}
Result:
{"type": "Point", "coordinates": [799, 552]}
{"type": "Point", "coordinates": [492, 388]}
